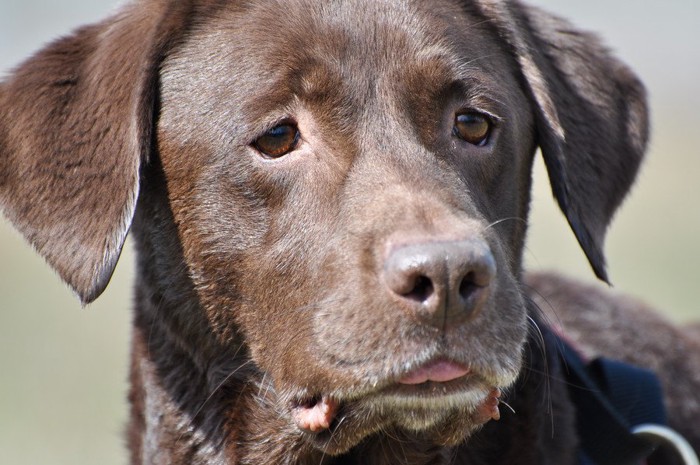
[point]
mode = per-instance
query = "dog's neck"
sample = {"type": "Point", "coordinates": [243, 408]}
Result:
{"type": "Point", "coordinates": [225, 412]}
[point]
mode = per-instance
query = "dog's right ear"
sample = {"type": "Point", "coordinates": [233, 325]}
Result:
{"type": "Point", "coordinates": [75, 126]}
{"type": "Point", "coordinates": [591, 115]}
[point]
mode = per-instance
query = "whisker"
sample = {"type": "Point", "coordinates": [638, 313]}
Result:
{"type": "Point", "coordinates": [216, 389]}
{"type": "Point", "coordinates": [507, 405]}
{"type": "Point", "coordinates": [559, 380]}
{"type": "Point", "coordinates": [547, 376]}
{"type": "Point", "coordinates": [503, 220]}
{"type": "Point", "coordinates": [262, 384]}
{"type": "Point", "coordinates": [540, 336]}
{"type": "Point", "coordinates": [337, 427]}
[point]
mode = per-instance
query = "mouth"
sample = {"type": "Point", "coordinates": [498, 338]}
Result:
{"type": "Point", "coordinates": [438, 371]}
{"type": "Point", "coordinates": [438, 387]}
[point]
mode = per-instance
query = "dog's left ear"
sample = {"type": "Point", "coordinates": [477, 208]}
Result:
{"type": "Point", "coordinates": [591, 116]}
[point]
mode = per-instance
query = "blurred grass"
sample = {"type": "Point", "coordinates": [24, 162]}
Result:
{"type": "Point", "coordinates": [63, 383]}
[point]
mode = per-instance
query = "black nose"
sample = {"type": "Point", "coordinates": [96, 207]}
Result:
{"type": "Point", "coordinates": [442, 282]}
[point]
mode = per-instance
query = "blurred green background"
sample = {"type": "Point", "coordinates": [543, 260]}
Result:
{"type": "Point", "coordinates": [63, 368]}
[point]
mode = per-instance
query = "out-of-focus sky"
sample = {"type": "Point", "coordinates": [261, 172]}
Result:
{"type": "Point", "coordinates": [64, 369]}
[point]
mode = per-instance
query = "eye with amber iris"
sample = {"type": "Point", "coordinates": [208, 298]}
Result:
{"type": "Point", "coordinates": [278, 141]}
{"type": "Point", "coordinates": [472, 127]}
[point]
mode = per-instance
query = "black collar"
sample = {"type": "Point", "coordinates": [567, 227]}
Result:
{"type": "Point", "coordinates": [611, 398]}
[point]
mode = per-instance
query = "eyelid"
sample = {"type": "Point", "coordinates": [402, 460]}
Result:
{"type": "Point", "coordinates": [271, 123]}
{"type": "Point", "coordinates": [257, 126]}
{"type": "Point", "coordinates": [495, 118]}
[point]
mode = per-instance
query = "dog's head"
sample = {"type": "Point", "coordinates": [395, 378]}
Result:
{"type": "Point", "coordinates": [343, 185]}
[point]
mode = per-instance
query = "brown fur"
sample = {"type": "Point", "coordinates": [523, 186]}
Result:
{"type": "Point", "coordinates": [262, 284]}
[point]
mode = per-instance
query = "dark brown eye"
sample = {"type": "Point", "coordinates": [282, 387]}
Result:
{"type": "Point", "coordinates": [278, 141]}
{"type": "Point", "coordinates": [472, 127]}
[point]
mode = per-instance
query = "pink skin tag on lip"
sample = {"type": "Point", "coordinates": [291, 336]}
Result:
{"type": "Point", "coordinates": [488, 410]}
{"type": "Point", "coordinates": [318, 417]}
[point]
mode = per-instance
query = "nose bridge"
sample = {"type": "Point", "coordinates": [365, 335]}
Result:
{"type": "Point", "coordinates": [393, 171]}
{"type": "Point", "coordinates": [386, 128]}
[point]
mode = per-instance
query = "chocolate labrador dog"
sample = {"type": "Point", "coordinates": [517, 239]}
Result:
{"type": "Point", "coordinates": [329, 203]}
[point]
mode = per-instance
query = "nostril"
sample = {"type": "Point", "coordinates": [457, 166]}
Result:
{"type": "Point", "coordinates": [422, 289]}
{"type": "Point", "coordinates": [468, 286]}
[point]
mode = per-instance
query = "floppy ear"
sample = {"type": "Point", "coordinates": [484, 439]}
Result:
{"type": "Point", "coordinates": [75, 126]}
{"type": "Point", "coordinates": [591, 116]}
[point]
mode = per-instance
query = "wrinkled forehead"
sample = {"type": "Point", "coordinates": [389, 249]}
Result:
{"type": "Point", "coordinates": [342, 53]}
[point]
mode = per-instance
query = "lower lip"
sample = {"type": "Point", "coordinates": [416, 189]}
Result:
{"type": "Point", "coordinates": [440, 371]}
{"type": "Point", "coordinates": [465, 390]}
{"type": "Point", "coordinates": [437, 381]}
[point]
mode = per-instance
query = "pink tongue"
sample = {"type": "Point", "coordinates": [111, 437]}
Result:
{"type": "Point", "coordinates": [440, 372]}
